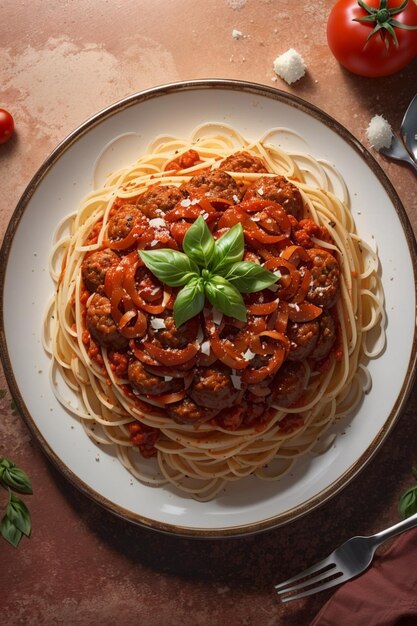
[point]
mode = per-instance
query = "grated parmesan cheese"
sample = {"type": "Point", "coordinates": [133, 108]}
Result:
{"type": "Point", "coordinates": [290, 66]}
{"type": "Point", "coordinates": [236, 381]}
{"type": "Point", "coordinates": [157, 221]}
{"type": "Point", "coordinates": [200, 336]}
{"type": "Point", "coordinates": [157, 323]}
{"type": "Point", "coordinates": [217, 316]}
{"type": "Point", "coordinates": [249, 355]}
{"type": "Point", "coordinates": [205, 347]}
{"type": "Point", "coordinates": [379, 132]}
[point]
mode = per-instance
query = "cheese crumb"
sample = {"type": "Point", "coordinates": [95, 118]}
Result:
{"type": "Point", "coordinates": [157, 222]}
{"type": "Point", "coordinates": [158, 323]}
{"type": "Point", "coordinates": [236, 381]}
{"type": "Point", "coordinates": [379, 132]}
{"type": "Point", "coordinates": [205, 347]}
{"type": "Point", "coordinates": [290, 66]}
{"type": "Point", "coordinates": [236, 34]}
{"type": "Point", "coordinates": [249, 355]}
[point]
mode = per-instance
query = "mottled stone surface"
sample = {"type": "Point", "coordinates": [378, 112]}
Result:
{"type": "Point", "coordinates": [60, 62]}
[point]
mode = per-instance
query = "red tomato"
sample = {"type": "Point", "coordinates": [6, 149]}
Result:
{"type": "Point", "coordinates": [6, 126]}
{"type": "Point", "coordinates": [381, 54]}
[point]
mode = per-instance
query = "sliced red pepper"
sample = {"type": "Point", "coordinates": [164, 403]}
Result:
{"type": "Point", "coordinates": [266, 308]}
{"type": "Point", "coordinates": [272, 209]}
{"type": "Point", "coordinates": [129, 283]}
{"type": "Point", "coordinates": [290, 276]}
{"type": "Point", "coordinates": [167, 398]}
{"type": "Point", "coordinates": [228, 353]}
{"type": "Point", "coordinates": [170, 356]}
{"type": "Point", "coordinates": [295, 254]}
{"type": "Point", "coordinates": [236, 215]}
{"type": "Point", "coordinates": [303, 312]}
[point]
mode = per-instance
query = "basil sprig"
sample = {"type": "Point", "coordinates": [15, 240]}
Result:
{"type": "Point", "coordinates": [16, 520]}
{"type": "Point", "coordinates": [208, 268]}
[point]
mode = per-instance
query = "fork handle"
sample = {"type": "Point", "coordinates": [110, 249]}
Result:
{"type": "Point", "coordinates": [396, 529]}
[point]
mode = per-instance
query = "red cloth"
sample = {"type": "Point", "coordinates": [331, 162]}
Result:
{"type": "Point", "coordinates": [384, 595]}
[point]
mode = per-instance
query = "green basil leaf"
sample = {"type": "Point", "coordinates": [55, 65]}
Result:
{"type": "Point", "coordinates": [9, 531]}
{"type": "Point", "coordinates": [198, 243]}
{"type": "Point", "coordinates": [248, 277]}
{"type": "Point", "coordinates": [18, 513]}
{"type": "Point", "coordinates": [225, 297]}
{"type": "Point", "coordinates": [189, 301]}
{"type": "Point", "coordinates": [229, 249]}
{"type": "Point", "coordinates": [17, 479]}
{"type": "Point", "coordinates": [408, 503]}
{"type": "Point", "coordinates": [171, 267]}
{"type": "Point", "coordinates": [5, 463]}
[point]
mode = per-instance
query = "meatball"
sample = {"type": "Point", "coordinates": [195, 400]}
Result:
{"type": "Point", "coordinates": [159, 199]}
{"type": "Point", "coordinates": [213, 388]}
{"type": "Point", "coordinates": [303, 339]}
{"type": "Point", "coordinates": [243, 162]}
{"type": "Point", "coordinates": [101, 324]}
{"type": "Point", "coordinates": [188, 412]}
{"type": "Point", "coordinates": [213, 184]}
{"type": "Point", "coordinates": [278, 189]}
{"type": "Point", "coordinates": [123, 221]}
{"type": "Point", "coordinates": [289, 383]}
{"type": "Point", "coordinates": [327, 336]}
{"type": "Point", "coordinates": [172, 337]}
{"type": "Point", "coordinates": [325, 272]}
{"type": "Point", "coordinates": [149, 384]}
{"type": "Point", "coordinates": [95, 266]}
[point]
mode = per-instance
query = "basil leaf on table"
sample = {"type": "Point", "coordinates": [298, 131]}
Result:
{"type": "Point", "coordinates": [171, 267]}
{"type": "Point", "coordinates": [18, 513]}
{"type": "Point", "coordinates": [14, 477]}
{"type": "Point", "coordinates": [16, 520]}
{"type": "Point", "coordinates": [198, 243]}
{"type": "Point", "coordinates": [408, 503]}
{"type": "Point", "coordinates": [225, 297]}
{"type": "Point", "coordinates": [10, 532]}
{"type": "Point", "coordinates": [249, 277]}
{"type": "Point", "coordinates": [408, 500]}
{"type": "Point", "coordinates": [189, 301]}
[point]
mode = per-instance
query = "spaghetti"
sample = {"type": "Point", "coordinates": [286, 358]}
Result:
{"type": "Point", "coordinates": [216, 399]}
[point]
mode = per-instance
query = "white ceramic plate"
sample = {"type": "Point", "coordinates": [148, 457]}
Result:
{"type": "Point", "coordinates": [58, 187]}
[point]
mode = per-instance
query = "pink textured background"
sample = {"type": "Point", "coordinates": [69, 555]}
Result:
{"type": "Point", "coordinates": [60, 62]}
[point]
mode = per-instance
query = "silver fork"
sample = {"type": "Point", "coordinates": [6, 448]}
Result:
{"type": "Point", "coordinates": [344, 563]}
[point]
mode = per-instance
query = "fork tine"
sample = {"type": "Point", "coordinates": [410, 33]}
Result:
{"type": "Point", "coordinates": [313, 569]}
{"type": "Point", "coordinates": [322, 574]}
{"type": "Point", "coordinates": [326, 585]}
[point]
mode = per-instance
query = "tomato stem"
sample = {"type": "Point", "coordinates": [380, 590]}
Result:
{"type": "Point", "coordinates": [383, 20]}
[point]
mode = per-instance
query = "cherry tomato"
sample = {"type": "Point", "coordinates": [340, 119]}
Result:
{"type": "Point", "coordinates": [6, 126]}
{"type": "Point", "coordinates": [378, 46]}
